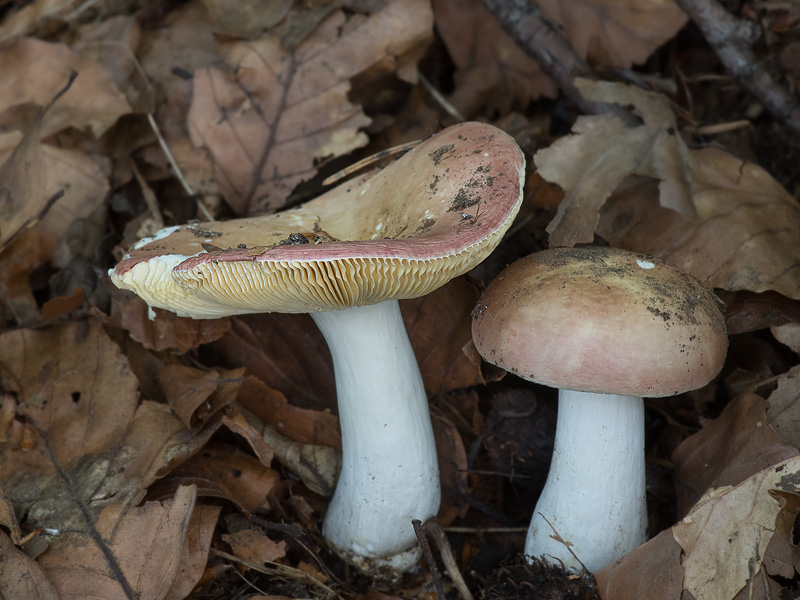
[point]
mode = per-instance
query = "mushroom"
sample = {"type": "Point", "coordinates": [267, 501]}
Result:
{"type": "Point", "coordinates": [346, 258]}
{"type": "Point", "coordinates": [606, 327]}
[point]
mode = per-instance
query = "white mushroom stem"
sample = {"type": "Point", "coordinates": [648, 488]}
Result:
{"type": "Point", "coordinates": [390, 474]}
{"type": "Point", "coordinates": [594, 497]}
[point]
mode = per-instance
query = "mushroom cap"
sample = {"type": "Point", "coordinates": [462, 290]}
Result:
{"type": "Point", "coordinates": [398, 232]}
{"type": "Point", "coordinates": [601, 320]}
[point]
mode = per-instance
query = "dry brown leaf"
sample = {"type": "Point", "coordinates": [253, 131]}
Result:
{"type": "Point", "coordinates": [196, 395]}
{"type": "Point", "coordinates": [452, 470]}
{"type": "Point", "coordinates": [603, 150]}
{"type": "Point", "coordinates": [490, 64]}
{"type": "Point", "coordinates": [439, 325]}
{"type": "Point", "coordinates": [8, 518]}
{"type": "Point", "coordinates": [220, 470]}
{"type": "Point", "coordinates": [300, 424]}
{"type": "Point", "coordinates": [281, 351]}
{"type": "Point", "coordinates": [619, 33]}
{"type": "Point", "coordinates": [783, 413]}
{"type": "Point", "coordinates": [246, 19]}
{"type": "Point", "coordinates": [735, 446]}
{"type": "Point", "coordinates": [725, 536]}
{"type": "Point", "coordinates": [195, 551]}
{"type": "Point", "coordinates": [22, 174]}
{"type": "Point", "coordinates": [788, 334]}
{"type": "Point", "coordinates": [88, 441]}
{"type": "Point", "coordinates": [92, 103]}
{"type": "Point", "coordinates": [253, 546]}
{"type": "Point", "coordinates": [31, 15]}
{"type": "Point", "coordinates": [745, 237]}
{"type": "Point", "coordinates": [615, 33]}
{"type": "Point", "coordinates": [166, 331]}
{"type": "Point", "coordinates": [146, 544]}
{"type": "Point", "coordinates": [17, 302]}
{"type": "Point", "coordinates": [652, 571]}
{"type": "Point", "coordinates": [267, 120]}
{"type": "Point", "coordinates": [21, 577]}
{"type": "Point", "coordinates": [317, 466]}
{"type": "Point", "coordinates": [747, 311]}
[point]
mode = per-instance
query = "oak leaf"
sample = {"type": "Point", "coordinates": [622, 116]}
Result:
{"type": "Point", "coordinates": [277, 111]}
{"type": "Point", "coordinates": [745, 236]}
{"type": "Point", "coordinates": [604, 150]}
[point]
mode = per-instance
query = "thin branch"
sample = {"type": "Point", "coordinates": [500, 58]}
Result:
{"type": "Point", "coordinates": [426, 552]}
{"type": "Point", "coordinates": [732, 40]}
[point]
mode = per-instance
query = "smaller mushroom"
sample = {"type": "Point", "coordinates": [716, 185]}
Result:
{"type": "Point", "coordinates": [606, 327]}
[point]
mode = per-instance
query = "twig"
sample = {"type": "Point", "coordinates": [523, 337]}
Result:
{"type": "Point", "coordinates": [426, 552]}
{"type": "Point", "coordinates": [437, 95]}
{"type": "Point", "coordinates": [433, 528]}
{"type": "Point", "coordinates": [278, 570]}
{"type": "Point", "coordinates": [522, 20]}
{"type": "Point", "coordinates": [732, 40]}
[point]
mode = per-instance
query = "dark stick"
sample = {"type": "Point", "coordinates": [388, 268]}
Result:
{"type": "Point", "coordinates": [426, 552]}
{"type": "Point", "coordinates": [732, 39]}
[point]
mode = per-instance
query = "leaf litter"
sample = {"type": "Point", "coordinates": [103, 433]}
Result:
{"type": "Point", "coordinates": [145, 455]}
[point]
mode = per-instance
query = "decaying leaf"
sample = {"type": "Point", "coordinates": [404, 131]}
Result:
{"type": "Point", "coordinates": [255, 547]}
{"type": "Point", "coordinates": [196, 395]}
{"type": "Point", "coordinates": [267, 120]}
{"type": "Point", "coordinates": [439, 325]}
{"type": "Point", "coordinates": [84, 433]}
{"type": "Point", "coordinates": [616, 33]}
{"type": "Point", "coordinates": [651, 571]}
{"type": "Point", "coordinates": [93, 103]}
{"type": "Point", "coordinates": [735, 446]}
{"type": "Point", "coordinates": [745, 237]}
{"type": "Point", "coordinates": [725, 536]}
{"type": "Point", "coordinates": [783, 413]}
{"type": "Point", "coordinates": [166, 331]}
{"type": "Point", "coordinates": [604, 150]}
{"type": "Point", "coordinates": [132, 552]}
{"type": "Point", "coordinates": [300, 424]}
{"type": "Point", "coordinates": [221, 471]}
{"type": "Point", "coordinates": [20, 576]}
{"type": "Point", "coordinates": [22, 174]}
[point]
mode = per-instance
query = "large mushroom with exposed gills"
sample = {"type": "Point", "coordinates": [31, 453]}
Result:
{"type": "Point", "coordinates": [606, 327]}
{"type": "Point", "coordinates": [346, 258]}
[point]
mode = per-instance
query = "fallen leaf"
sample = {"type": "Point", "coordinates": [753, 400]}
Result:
{"type": "Point", "coordinates": [93, 102]}
{"type": "Point", "coordinates": [736, 445]}
{"type": "Point", "coordinates": [220, 470]}
{"type": "Point", "coordinates": [747, 311]}
{"type": "Point", "coordinates": [491, 66]}
{"type": "Point", "coordinates": [277, 110]}
{"type": "Point", "coordinates": [783, 413]}
{"type": "Point", "coordinates": [788, 334]}
{"type": "Point", "coordinates": [603, 150]}
{"type": "Point", "coordinates": [744, 239]}
{"type": "Point", "coordinates": [88, 439]}
{"type": "Point", "coordinates": [30, 16]}
{"type": "Point", "coordinates": [20, 576]}
{"type": "Point", "coordinates": [727, 532]}
{"type": "Point", "coordinates": [618, 33]}
{"type": "Point", "coordinates": [195, 551]}
{"type": "Point", "coordinates": [22, 174]}
{"type": "Point", "coordinates": [132, 552]}
{"type": "Point", "coordinates": [439, 325]}
{"type": "Point", "coordinates": [166, 331]}
{"type": "Point", "coordinates": [253, 546]}
{"type": "Point", "coordinates": [196, 395]}
{"type": "Point", "coordinates": [453, 469]}
{"type": "Point", "coordinates": [317, 466]}
{"type": "Point", "coordinates": [281, 351]}
{"type": "Point", "coordinates": [652, 571]}
{"type": "Point", "coordinates": [300, 424]}
{"type": "Point", "coordinates": [246, 19]}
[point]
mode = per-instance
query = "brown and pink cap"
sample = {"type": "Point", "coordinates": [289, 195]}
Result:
{"type": "Point", "coordinates": [602, 320]}
{"type": "Point", "coordinates": [397, 232]}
